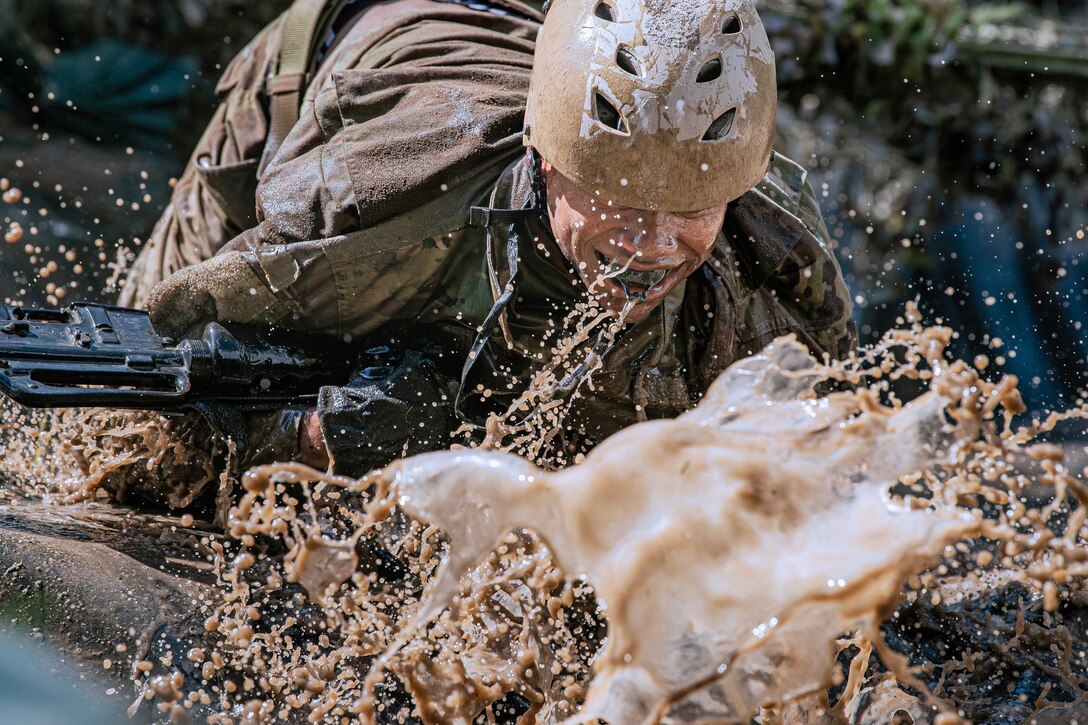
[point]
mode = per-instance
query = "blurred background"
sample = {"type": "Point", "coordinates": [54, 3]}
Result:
{"type": "Point", "coordinates": [946, 139]}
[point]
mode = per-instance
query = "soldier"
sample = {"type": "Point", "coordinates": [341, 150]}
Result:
{"type": "Point", "coordinates": [441, 184]}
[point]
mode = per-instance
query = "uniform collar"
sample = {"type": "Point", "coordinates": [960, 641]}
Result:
{"type": "Point", "coordinates": [762, 233]}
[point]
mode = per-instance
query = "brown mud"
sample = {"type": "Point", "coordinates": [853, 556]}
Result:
{"type": "Point", "coordinates": [799, 557]}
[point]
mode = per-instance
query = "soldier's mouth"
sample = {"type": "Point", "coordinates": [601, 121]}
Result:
{"type": "Point", "coordinates": [635, 282]}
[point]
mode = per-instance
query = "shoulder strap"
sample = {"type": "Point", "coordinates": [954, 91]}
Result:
{"type": "Point", "coordinates": [493, 219]}
{"type": "Point", "coordinates": [482, 217]}
{"type": "Point", "coordinates": [303, 28]}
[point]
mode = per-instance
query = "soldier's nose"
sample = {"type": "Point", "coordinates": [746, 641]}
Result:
{"type": "Point", "coordinates": [656, 242]}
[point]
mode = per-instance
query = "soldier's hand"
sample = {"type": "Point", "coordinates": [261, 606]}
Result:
{"type": "Point", "coordinates": [312, 450]}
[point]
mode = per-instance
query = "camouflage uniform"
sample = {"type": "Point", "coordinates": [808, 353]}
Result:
{"type": "Point", "coordinates": [362, 229]}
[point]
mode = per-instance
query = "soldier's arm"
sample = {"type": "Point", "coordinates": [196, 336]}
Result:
{"type": "Point", "coordinates": [355, 209]}
{"type": "Point", "coordinates": [302, 202]}
{"type": "Point", "coordinates": [336, 250]}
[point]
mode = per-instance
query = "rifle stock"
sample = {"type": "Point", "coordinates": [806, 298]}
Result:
{"type": "Point", "coordinates": [91, 355]}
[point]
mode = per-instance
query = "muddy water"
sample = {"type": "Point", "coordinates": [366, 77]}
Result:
{"type": "Point", "coordinates": [675, 524]}
{"type": "Point", "coordinates": [531, 424]}
{"type": "Point", "coordinates": [697, 570]}
{"type": "Point", "coordinates": [693, 570]}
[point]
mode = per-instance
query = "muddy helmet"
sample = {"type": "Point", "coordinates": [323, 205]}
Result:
{"type": "Point", "coordinates": [667, 105]}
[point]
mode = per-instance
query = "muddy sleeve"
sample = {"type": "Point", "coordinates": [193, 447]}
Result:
{"type": "Point", "coordinates": [420, 114]}
{"type": "Point", "coordinates": [355, 209]}
{"type": "Point", "coordinates": [304, 193]}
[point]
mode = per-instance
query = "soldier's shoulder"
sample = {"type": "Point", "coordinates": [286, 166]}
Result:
{"type": "Point", "coordinates": [787, 185]}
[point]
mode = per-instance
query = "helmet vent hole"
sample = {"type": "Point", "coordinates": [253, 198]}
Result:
{"type": "Point", "coordinates": [604, 12]}
{"type": "Point", "coordinates": [625, 59]}
{"type": "Point", "coordinates": [731, 26]}
{"type": "Point", "coordinates": [607, 114]}
{"type": "Point", "coordinates": [711, 71]}
{"type": "Point", "coordinates": [721, 126]}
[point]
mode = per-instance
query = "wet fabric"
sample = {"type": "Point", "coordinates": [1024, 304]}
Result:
{"type": "Point", "coordinates": [361, 224]}
{"type": "Point", "coordinates": [403, 67]}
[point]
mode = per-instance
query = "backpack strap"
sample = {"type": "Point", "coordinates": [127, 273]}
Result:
{"type": "Point", "coordinates": [303, 29]}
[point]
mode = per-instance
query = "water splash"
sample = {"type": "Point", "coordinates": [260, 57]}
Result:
{"type": "Point", "coordinates": [531, 424]}
{"type": "Point", "coordinates": [728, 549]}
{"type": "Point", "coordinates": [696, 569]}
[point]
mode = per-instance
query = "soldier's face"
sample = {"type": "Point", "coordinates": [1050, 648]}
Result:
{"type": "Point", "coordinates": [623, 253]}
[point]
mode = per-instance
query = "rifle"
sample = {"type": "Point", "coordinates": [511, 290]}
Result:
{"type": "Point", "coordinates": [91, 355]}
